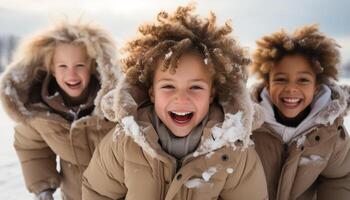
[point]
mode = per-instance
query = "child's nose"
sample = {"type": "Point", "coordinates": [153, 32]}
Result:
{"type": "Point", "coordinates": [182, 97]}
{"type": "Point", "coordinates": [292, 88]}
{"type": "Point", "coordinates": [71, 71]}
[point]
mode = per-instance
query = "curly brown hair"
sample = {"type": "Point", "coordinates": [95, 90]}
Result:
{"type": "Point", "coordinates": [321, 52]}
{"type": "Point", "coordinates": [174, 34]}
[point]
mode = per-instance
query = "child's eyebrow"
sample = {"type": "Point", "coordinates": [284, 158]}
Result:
{"type": "Point", "coordinates": [305, 72]}
{"type": "Point", "coordinates": [192, 80]}
{"type": "Point", "coordinates": [199, 80]}
{"type": "Point", "coordinates": [165, 79]}
{"type": "Point", "coordinates": [299, 72]}
{"type": "Point", "coordinates": [279, 73]}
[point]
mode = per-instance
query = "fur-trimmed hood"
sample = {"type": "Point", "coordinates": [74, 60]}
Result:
{"type": "Point", "coordinates": [241, 116]}
{"type": "Point", "coordinates": [20, 75]}
{"type": "Point", "coordinates": [338, 107]}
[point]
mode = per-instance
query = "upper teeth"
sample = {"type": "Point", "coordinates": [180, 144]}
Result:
{"type": "Point", "coordinates": [181, 113]}
{"type": "Point", "coordinates": [291, 100]}
{"type": "Point", "coordinates": [72, 83]}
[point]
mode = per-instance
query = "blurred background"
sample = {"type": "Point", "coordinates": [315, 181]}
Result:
{"type": "Point", "coordinates": [251, 20]}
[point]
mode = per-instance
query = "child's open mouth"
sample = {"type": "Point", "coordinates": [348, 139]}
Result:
{"type": "Point", "coordinates": [181, 117]}
{"type": "Point", "coordinates": [291, 102]}
{"type": "Point", "coordinates": [73, 85]}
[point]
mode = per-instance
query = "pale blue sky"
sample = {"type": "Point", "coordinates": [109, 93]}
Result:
{"type": "Point", "coordinates": [251, 18]}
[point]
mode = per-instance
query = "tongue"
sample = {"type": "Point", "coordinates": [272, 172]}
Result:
{"type": "Point", "coordinates": [181, 118]}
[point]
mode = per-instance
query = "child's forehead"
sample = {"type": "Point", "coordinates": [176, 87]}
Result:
{"type": "Point", "coordinates": [76, 50]}
{"type": "Point", "coordinates": [62, 46]}
{"type": "Point", "coordinates": [184, 66]}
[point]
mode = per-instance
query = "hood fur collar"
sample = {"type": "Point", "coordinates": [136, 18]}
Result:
{"type": "Point", "coordinates": [241, 116]}
{"type": "Point", "coordinates": [19, 75]}
{"type": "Point", "coordinates": [338, 107]}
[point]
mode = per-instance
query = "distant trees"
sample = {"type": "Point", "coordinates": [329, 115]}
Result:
{"type": "Point", "coordinates": [8, 44]}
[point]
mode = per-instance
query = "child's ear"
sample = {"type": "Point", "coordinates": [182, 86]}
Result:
{"type": "Point", "coordinates": [212, 95]}
{"type": "Point", "coordinates": [151, 94]}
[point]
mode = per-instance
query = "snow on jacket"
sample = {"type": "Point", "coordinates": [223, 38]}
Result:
{"type": "Point", "coordinates": [42, 134]}
{"type": "Point", "coordinates": [315, 163]}
{"type": "Point", "coordinates": [130, 163]}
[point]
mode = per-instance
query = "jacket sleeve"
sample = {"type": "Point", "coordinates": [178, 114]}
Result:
{"type": "Point", "coordinates": [334, 182]}
{"type": "Point", "coordinates": [247, 182]}
{"type": "Point", "coordinates": [104, 177]}
{"type": "Point", "coordinates": [37, 160]}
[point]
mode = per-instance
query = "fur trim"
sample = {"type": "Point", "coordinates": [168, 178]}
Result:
{"type": "Point", "coordinates": [241, 115]}
{"type": "Point", "coordinates": [20, 74]}
{"type": "Point", "coordinates": [338, 107]}
{"type": "Point", "coordinates": [132, 129]}
{"type": "Point", "coordinates": [231, 131]}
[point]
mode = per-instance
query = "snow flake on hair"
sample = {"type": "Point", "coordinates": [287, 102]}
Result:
{"type": "Point", "coordinates": [168, 55]}
{"type": "Point", "coordinates": [206, 61]}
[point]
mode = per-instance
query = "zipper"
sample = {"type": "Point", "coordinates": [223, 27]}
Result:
{"type": "Point", "coordinates": [285, 153]}
{"type": "Point", "coordinates": [74, 152]}
{"type": "Point", "coordinates": [87, 141]}
{"type": "Point", "coordinates": [285, 156]}
{"type": "Point", "coordinates": [161, 177]}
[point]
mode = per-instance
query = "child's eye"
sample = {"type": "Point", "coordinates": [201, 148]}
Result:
{"type": "Point", "coordinates": [80, 65]}
{"type": "Point", "coordinates": [62, 66]}
{"type": "Point", "coordinates": [279, 80]}
{"type": "Point", "coordinates": [196, 87]}
{"type": "Point", "coordinates": [167, 87]}
{"type": "Point", "coordinates": [304, 80]}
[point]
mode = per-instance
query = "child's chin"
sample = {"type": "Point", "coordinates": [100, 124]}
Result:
{"type": "Point", "coordinates": [74, 95]}
{"type": "Point", "coordinates": [291, 114]}
{"type": "Point", "coordinates": [178, 133]}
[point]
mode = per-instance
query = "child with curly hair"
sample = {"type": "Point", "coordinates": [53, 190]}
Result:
{"type": "Point", "coordinates": [52, 90]}
{"type": "Point", "coordinates": [303, 144]}
{"type": "Point", "coordinates": [184, 116]}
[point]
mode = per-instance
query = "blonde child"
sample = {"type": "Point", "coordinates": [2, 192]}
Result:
{"type": "Point", "coordinates": [303, 144]}
{"type": "Point", "coordinates": [52, 90]}
{"type": "Point", "coordinates": [184, 118]}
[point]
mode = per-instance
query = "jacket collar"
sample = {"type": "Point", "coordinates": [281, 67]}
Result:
{"type": "Point", "coordinates": [22, 74]}
{"type": "Point", "coordinates": [329, 105]}
{"type": "Point", "coordinates": [241, 115]}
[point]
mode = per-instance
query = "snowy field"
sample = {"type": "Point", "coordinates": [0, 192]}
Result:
{"type": "Point", "coordinates": [11, 180]}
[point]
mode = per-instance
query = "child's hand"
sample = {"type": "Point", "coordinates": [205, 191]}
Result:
{"type": "Point", "coordinates": [45, 195]}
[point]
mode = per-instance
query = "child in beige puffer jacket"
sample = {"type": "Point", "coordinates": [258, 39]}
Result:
{"type": "Point", "coordinates": [303, 144]}
{"type": "Point", "coordinates": [52, 90]}
{"type": "Point", "coordinates": [184, 116]}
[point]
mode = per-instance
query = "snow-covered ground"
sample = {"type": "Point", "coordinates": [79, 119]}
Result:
{"type": "Point", "coordinates": [11, 181]}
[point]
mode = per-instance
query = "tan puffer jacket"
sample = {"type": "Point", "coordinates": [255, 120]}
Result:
{"type": "Point", "coordinates": [314, 165]}
{"type": "Point", "coordinates": [42, 135]}
{"type": "Point", "coordinates": [130, 164]}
